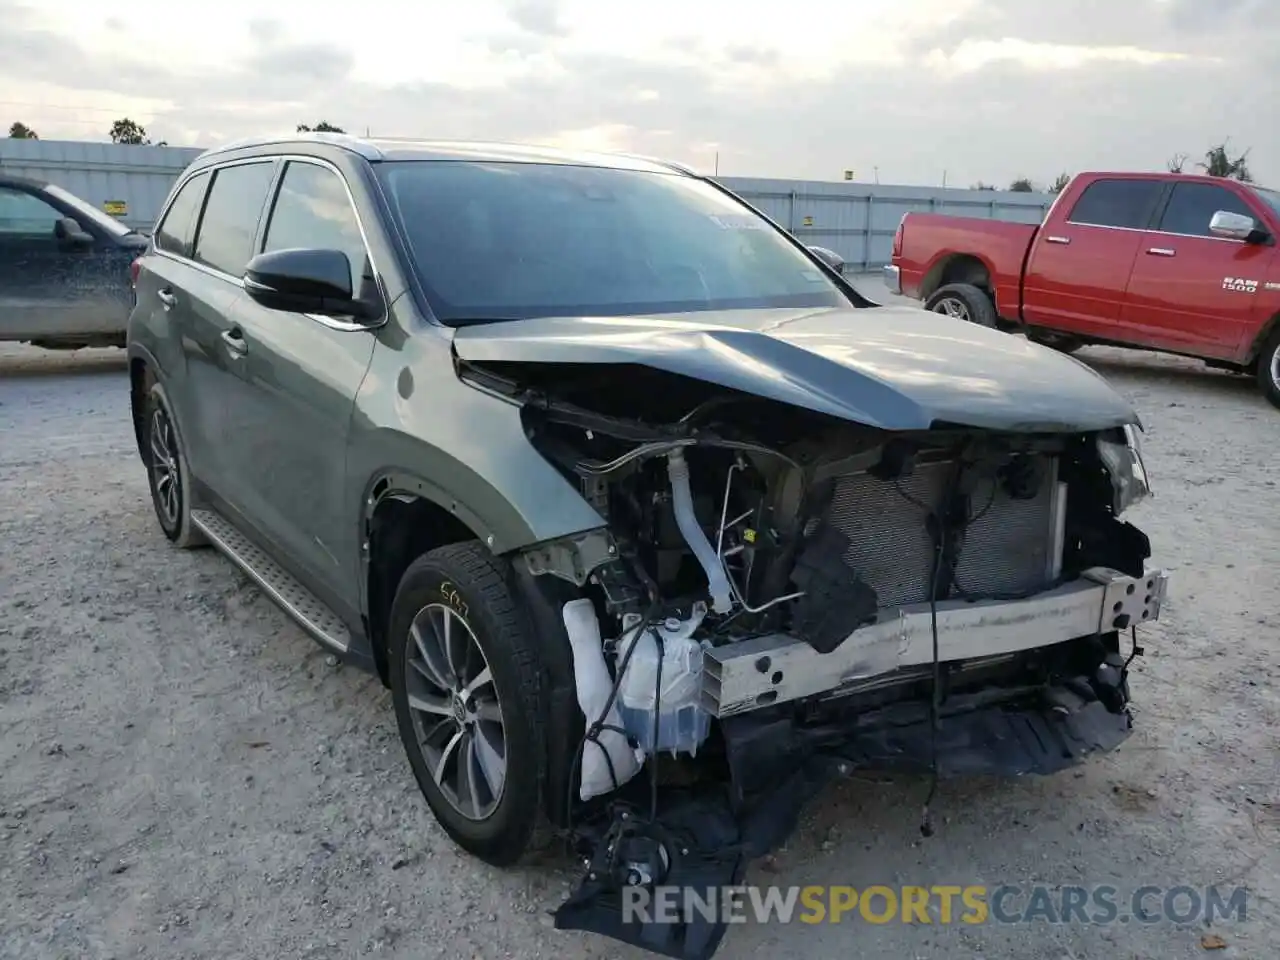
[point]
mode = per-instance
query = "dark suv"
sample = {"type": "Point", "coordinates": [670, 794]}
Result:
{"type": "Point", "coordinates": [595, 466]}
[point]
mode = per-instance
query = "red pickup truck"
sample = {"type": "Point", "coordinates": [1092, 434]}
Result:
{"type": "Point", "coordinates": [1173, 262]}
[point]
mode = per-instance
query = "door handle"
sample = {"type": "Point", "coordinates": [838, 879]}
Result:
{"type": "Point", "coordinates": [234, 340]}
{"type": "Point", "coordinates": [1161, 252]}
{"type": "Point", "coordinates": [167, 298]}
{"type": "Point", "coordinates": [1062, 240]}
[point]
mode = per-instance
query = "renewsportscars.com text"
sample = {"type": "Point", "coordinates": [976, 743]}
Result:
{"type": "Point", "coordinates": [938, 904]}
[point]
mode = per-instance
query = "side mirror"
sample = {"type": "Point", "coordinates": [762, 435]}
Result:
{"type": "Point", "coordinates": [68, 232]}
{"type": "Point", "coordinates": [1236, 226]}
{"type": "Point", "coordinates": [829, 257]}
{"type": "Point", "coordinates": [306, 281]}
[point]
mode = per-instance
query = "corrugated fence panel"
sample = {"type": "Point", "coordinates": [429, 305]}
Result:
{"type": "Point", "coordinates": [139, 176]}
{"type": "Point", "coordinates": [857, 220]}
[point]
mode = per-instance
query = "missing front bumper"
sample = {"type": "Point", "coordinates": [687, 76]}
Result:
{"type": "Point", "coordinates": [704, 840]}
{"type": "Point", "coordinates": [767, 670]}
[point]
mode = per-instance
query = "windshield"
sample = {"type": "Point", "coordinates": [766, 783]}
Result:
{"type": "Point", "coordinates": [507, 241]}
{"type": "Point", "coordinates": [107, 223]}
{"type": "Point", "coordinates": [1270, 197]}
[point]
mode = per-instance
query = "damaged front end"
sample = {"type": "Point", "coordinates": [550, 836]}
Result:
{"type": "Point", "coordinates": [780, 597]}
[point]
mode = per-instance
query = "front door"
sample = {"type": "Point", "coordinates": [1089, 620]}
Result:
{"type": "Point", "coordinates": [1192, 292]}
{"type": "Point", "coordinates": [288, 430]}
{"type": "Point", "coordinates": [1079, 269]}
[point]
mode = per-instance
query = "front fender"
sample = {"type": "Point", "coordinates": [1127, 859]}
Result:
{"type": "Point", "coordinates": [461, 448]}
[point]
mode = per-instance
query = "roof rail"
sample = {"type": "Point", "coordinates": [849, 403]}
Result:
{"type": "Point", "coordinates": [344, 140]}
{"type": "Point", "coordinates": [669, 164]}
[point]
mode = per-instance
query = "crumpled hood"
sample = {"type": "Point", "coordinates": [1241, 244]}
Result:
{"type": "Point", "coordinates": [897, 368]}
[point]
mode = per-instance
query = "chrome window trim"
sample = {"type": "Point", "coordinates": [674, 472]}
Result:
{"type": "Point", "coordinates": [333, 323]}
{"type": "Point", "coordinates": [1163, 233]}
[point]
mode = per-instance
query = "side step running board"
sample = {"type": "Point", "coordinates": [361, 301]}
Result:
{"type": "Point", "coordinates": [311, 613]}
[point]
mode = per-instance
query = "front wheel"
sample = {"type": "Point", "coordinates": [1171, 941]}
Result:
{"type": "Point", "coordinates": [1269, 368]}
{"type": "Point", "coordinates": [964, 301]}
{"type": "Point", "coordinates": [466, 684]}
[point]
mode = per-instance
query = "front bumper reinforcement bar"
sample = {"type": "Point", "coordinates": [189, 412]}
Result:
{"type": "Point", "coordinates": [776, 668]}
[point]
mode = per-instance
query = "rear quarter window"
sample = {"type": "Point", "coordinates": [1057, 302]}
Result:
{"type": "Point", "coordinates": [1117, 203]}
{"type": "Point", "coordinates": [178, 228]}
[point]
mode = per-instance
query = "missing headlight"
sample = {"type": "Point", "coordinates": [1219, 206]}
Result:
{"type": "Point", "coordinates": [1121, 453]}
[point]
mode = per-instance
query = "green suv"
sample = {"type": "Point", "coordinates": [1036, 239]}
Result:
{"type": "Point", "coordinates": [649, 519]}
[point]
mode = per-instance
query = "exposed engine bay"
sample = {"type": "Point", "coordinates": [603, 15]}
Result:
{"type": "Point", "coordinates": [778, 597]}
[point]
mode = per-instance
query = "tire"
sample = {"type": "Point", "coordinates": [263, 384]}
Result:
{"type": "Point", "coordinates": [1062, 342]}
{"type": "Point", "coordinates": [1269, 368]}
{"type": "Point", "coordinates": [503, 818]}
{"type": "Point", "coordinates": [963, 301]}
{"type": "Point", "coordinates": [168, 474]}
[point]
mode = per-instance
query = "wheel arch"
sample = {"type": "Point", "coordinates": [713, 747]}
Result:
{"type": "Point", "coordinates": [142, 374]}
{"type": "Point", "coordinates": [403, 518]}
{"type": "Point", "coordinates": [1260, 339]}
{"type": "Point", "coordinates": [957, 268]}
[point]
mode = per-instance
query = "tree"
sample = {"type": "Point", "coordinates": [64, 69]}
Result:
{"type": "Point", "coordinates": [1021, 185]}
{"type": "Point", "coordinates": [1060, 184]}
{"type": "Point", "coordinates": [1177, 162]}
{"type": "Point", "coordinates": [321, 127]}
{"type": "Point", "coordinates": [1219, 163]}
{"type": "Point", "coordinates": [20, 131]}
{"type": "Point", "coordinates": [127, 131]}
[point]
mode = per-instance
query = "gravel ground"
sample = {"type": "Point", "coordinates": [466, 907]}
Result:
{"type": "Point", "coordinates": [184, 775]}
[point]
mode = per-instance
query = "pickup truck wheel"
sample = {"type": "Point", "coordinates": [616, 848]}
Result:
{"type": "Point", "coordinates": [1269, 368]}
{"type": "Point", "coordinates": [1062, 342]}
{"type": "Point", "coordinates": [963, 301]}
{"type": "Point", "coordinates": [469, 702]}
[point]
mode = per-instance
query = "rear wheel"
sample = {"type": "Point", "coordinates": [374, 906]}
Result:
{"type": "Point", "coordinates": [168, 475]}
{"type": "Point", "coordinates": [465, 681]}
{"type": "Point", "coordinates": [1269, 368]}
{"type": "Point", "coordinates": [963, 301]}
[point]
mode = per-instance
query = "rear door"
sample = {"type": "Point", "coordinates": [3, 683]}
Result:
{"type": "Point", "coordinates": [288, 428]}
{"type": "Point", "coordinates": [52, 286]}
{"type": "Point", "coordinates": [1192, 292]}
{"type": "Point", "coordinates": [226, 232]}
{"type": "Point", "coordinates": [1080, 263]}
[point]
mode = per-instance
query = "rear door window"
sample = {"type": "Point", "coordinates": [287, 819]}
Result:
{"type": "Point", "coordinates": [1192, 206]}
{"type": "Point", "coordinates": [1117, 203]}
{"type": "Point", "coordinates": [178, 228]}
{"type": "Point", "coordinates": [312, 209]}
{"type": "Point", "coordinates": [231, 215]}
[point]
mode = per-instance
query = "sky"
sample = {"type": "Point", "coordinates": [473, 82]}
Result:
{"type": "Point", "coordinates": [903, 91]}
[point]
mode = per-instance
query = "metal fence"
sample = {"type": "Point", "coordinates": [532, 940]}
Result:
{"type": "Point", "coordinates": [129, 181]}
{"type": "Point", "coordinates": [857, 220]}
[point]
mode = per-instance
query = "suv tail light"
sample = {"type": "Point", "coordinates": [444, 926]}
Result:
{"type": "Point", "coordinates": [134, 269]}
{"type": "Point", "coordinates": [897, 236]}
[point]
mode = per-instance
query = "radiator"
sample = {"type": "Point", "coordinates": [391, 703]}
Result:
{"type": "Point", "coordinates": [1011, 547]}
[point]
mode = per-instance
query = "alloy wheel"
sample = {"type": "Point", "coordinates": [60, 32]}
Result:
{"type": "Point", "coordinates": [165, 474]}
{"type": "Point", "coordinates": [457, 715]}
{"type": "Point", "coordinates": [952, 307]}
{"type": "Point", "coordinates": [1275, 368]}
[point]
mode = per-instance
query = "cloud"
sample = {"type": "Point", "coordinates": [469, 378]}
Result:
{"type": "Point", "coordinates": [537, 16]}
{"type": "Point", "coordinates": [1007, 89]}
